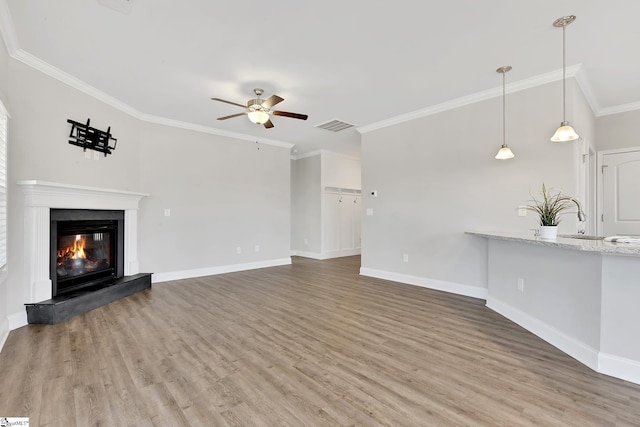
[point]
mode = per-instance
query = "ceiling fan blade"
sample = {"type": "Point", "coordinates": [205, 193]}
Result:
{"type": "Point", "coordinates": [268, 124]}
{"type": "Point", "coordinates": [229, 102]}
{"type": "Point", "coordinates": [271, 101]}
{"type": "Point", "coordinates": [292, 115]}
{"type": "Point", "coordinates": [231, 116]}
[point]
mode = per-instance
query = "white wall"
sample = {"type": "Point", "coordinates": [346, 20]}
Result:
{"type": "Point", "coordinates": [241, 194]}
{"type": "Point", "coordinates": [222, 193]}
{"type": "Point", "coordinates": [306, 208]}
{"type": "Point", "coordinates": [618, 131]}
{"type": "Point", "coordinates": [341, 171]}
{"type": "Point", "coordinates": [4, 71]}
{"type": "Point", "coordinates": [436, 178]}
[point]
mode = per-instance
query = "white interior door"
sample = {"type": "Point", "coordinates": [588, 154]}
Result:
{"type": "Point", "coordinates": [621, 193]}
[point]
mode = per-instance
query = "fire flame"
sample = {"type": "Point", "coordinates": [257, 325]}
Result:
{"type": "Point", "coordinates": [78, 248]}
{"type": "Point", "coordinates": [76, 251]}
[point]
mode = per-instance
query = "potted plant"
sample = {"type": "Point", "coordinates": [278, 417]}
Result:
{"type": "Point", "coordinates": [549, 207]}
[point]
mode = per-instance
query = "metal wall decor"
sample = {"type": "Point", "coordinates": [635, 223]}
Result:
{"type": "Point", "coordinates": [86, 136]}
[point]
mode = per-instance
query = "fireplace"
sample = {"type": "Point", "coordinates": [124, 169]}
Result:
{"type": "Point", "coordinates": [110, 275]}
{"type": "Point", "coordinates": [86, 248]}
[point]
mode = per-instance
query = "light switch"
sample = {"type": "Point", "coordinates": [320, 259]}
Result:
{"type": "Point", "coordinates": [167, 212]}
{"type": "Point", "coordinates": [369, 211]}
{"type": "Point", "coordinates": [522, 211]}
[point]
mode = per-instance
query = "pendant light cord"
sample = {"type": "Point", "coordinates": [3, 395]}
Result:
{"type": "Point", "coordinates": [564, 74]}
{"type": "Point", "coordinates": [504, 119]}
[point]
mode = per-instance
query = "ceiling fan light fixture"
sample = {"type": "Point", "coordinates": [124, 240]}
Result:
{"type": "Point", "coordinates": [258, 117]}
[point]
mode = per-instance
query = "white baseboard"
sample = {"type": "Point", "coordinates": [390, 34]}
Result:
{"type": "Point", "coordinates": [574, 348]}
{"type": "Point", "coordinates": [17, 320]}
{"type": "Point", "coordinates": [326, 255]}
{"type": "Point", "coordinates": [221, 269]}
{"type": "Point", "coordinates": [619, 367]}
{"type": "Point", "coordinates": [4, 332]}
{"type": "Point", "coordinates": [440, 285]}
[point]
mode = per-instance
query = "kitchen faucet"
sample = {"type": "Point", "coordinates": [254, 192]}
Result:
{"type": "Point", "coordinates": [581, 216]}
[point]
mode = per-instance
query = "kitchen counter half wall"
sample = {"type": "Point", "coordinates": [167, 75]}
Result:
{"type": "Point", "coordinates": [579, 295]}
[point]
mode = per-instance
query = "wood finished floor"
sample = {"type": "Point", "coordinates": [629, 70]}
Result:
{"type": "Point", "coordinates": [309, 344]}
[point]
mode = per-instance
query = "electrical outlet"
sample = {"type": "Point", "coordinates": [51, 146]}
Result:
{"type": "Point", "coordinates": [167, 212]}
{"type": "Point", "coordinates": [238, 250]}
{"type": "Point", "coordinates": [369, 211]}
{"type": "Point", "coordinates": [96, 156]}
{"type": "Point", "coordinates": [256, 248]}
{"type": "Point", "coordinates": [405, 258]}
{"type": "Point", "coordinates": [520, 284]}
{"type": "Point", "coordinates": [522, 211]}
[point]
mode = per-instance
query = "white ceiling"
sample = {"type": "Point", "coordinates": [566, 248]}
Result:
{"type": "Point", "coordinates": [355, 60]}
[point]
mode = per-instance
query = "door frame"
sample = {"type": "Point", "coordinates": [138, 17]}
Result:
{"type": "Point", "coordinates": [585, 177]}
{"type": "Point", "coordinates": [600, 183]}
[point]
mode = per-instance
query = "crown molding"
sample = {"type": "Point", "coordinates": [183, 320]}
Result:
{"type": "Point", "coordinates": [324, 153]}
{"type": "Point", "coordinates": [66, 78]}
{"type": "Point", "coordinates": [532, 82]}
{"type": "Point", "coordinates": [213, 131]}
{"type": "Point", "coordinates": [56, 73]}
{"type": "Point", "coordinates": [632, 106]}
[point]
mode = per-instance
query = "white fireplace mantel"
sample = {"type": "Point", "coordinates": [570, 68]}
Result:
{"type": "Point", "coordinates": [41, 197]}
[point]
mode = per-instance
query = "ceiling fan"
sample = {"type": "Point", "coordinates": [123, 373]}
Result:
{"type": "Point", "coordinates": [259, 110]}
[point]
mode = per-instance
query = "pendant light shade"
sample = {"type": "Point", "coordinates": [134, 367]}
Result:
{"type": "Point", "coordinates": [505, 152]}
{"type": "Point", "coordinates": [565, 132]}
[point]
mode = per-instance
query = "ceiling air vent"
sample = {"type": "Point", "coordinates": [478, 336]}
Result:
{"type": "Point", "coordinates": [335, 125]}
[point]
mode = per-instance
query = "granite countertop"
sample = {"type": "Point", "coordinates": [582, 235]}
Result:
{"type": "Point", "coordinates": [598, 246]}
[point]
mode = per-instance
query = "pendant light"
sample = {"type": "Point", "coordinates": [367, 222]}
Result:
{"type": "Point", "coordinates": [565, 132]}
{"type": "Point", "coordinates": [505, 152]}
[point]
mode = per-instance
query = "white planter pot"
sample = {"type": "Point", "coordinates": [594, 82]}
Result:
{"type": "Point", "coordinates": [548, 232]}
